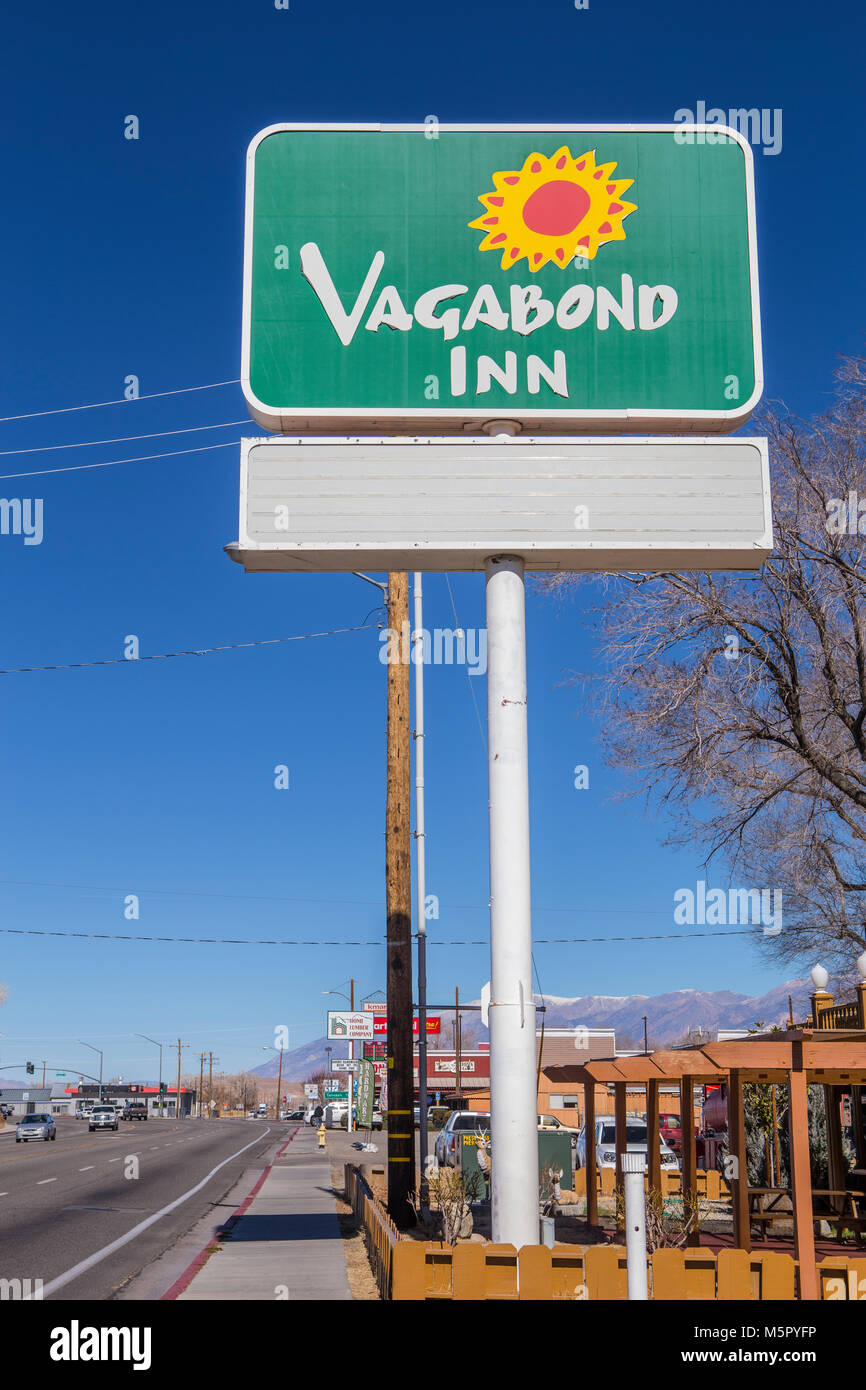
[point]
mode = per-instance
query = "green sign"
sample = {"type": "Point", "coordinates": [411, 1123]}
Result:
{"type": "Point", "coordinates": [409, 278]}
{"type": "Point", "coordinates": [336, 1095]}
{"type": "Point", "coordinates": [365, 1093]}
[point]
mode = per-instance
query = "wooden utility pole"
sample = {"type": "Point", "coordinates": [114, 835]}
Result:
{"type": "Point", "coordinates": [398, 905]}
{"type": "Point", "coordinates": [177, 1092]}
{"type": "Point", "coordinates": [210, 1085]}
{"type": "Point", "coordinates": [201, 1057]}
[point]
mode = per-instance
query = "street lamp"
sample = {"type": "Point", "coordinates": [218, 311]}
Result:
{"type": "Point", "coordinates": [159, 1045]}
{"type": "Point", "coordinates": [94, 1049]}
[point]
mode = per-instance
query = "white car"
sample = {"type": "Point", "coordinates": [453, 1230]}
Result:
{"type": "Point", "coordinates": [103, 1117]}
{"type": "Point", "coordinates": [636, 1142]}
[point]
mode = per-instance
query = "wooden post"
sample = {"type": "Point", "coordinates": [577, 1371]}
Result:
{"type": "Point", "coordinates": [591, 1165]}
{"type": "Point", "coordinates": [398, 905]}
{"type": "Point", "coordinates": [689, 1158]}
{"type": "Point", "coordinates": [801, 1175]}
{"type": "Point", "coordinates": [739, 1179]}
{"type": "Point", "coordinates": [620, 1112]}
{"type": "Point", "coordinates": [654, 1156]}
{"type": "Point", "coordinates": [836, 1169]}
{"type": "Point", "coordinates": [280, 1085]}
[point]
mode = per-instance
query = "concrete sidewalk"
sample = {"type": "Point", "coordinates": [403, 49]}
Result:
{"type": "Point", "coordinates": [284, 1240]}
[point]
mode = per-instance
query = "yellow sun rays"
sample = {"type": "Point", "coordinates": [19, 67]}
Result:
{"type": "Point", "coordinates": [553, 210]}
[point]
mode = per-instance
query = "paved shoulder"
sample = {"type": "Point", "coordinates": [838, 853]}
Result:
{"type": "Point", "coordinates": [284, 1240]}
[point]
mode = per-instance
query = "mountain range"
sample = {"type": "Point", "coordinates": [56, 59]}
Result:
{"type": "Point", "coordinates": [670, 1017]}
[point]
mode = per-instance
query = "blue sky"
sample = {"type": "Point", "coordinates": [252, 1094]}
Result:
{"type": "Point", "coordinates": [123, 258]}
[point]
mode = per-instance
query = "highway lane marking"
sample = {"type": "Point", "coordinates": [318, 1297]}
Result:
{"type": "Point", "coordinates": [84, 1265]}
{"type": "Point", "coordinates": [88, 1168]}
{"type": "Point", "coordinates": [43, 1181]}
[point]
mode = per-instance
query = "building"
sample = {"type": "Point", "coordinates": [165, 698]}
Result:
{"type": "Point", "coordinates": [116, 1093]}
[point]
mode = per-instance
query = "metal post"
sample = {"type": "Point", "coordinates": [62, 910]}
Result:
{"type": "Point", "coordinates": [513, 1096]}
{"type": "Point", "coordinates": [350, 1121]}
{"type": "Point", "coordinates": [421, 870]}
{"type": "Point", "coordinates": [635, 1226]}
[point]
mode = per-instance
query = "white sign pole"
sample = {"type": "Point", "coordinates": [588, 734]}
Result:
{"type": "Point", "coordinates": [513, 1099]}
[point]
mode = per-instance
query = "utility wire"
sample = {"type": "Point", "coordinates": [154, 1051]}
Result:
{"type": "Point", "coordinates": [125, 400]}
{"type": "Point", "coordinates": [380, 941]}
{"type": "Point", "coordinates": [468, 675]}
{"type": "Point", "coordinates": [201, 651]}
{"type": "Point", "coordinates": [122, 439]}
{"type": "Point", "coordinates": [112, 463]}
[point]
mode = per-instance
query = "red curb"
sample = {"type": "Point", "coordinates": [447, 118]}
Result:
{"type": "Point", "coordinates": [204, 1255]}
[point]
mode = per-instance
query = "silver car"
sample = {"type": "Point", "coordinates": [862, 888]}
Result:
{"type": "Point", "coordinates": [102, 1117]}
{"type": "Point", "coordinates": [458, 1124]}
{"type": "Point", "coordinates": [636, 1142]}
{"type": "Point", "coordinates": [35, 1127]}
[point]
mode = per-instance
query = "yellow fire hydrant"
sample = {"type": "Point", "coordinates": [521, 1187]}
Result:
{"type": "Point", "coordinates": [321, 1133]}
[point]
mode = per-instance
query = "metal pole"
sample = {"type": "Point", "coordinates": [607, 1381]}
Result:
{"type": "Point", "coordinates": [279, 1086]}
{"type": "Point", "coordinates": [635, 1225]}
{"type": "Point", "coordinates": [421, 870]}
{"type": "Point", "coordinates": [350, 1118]}
{"type": "Point", "coordinates": [513, 1096]}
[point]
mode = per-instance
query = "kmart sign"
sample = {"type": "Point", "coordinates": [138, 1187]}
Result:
{"type": "Point", "coordinates": [562, 277]}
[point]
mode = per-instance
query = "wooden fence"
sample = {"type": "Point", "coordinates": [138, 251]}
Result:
{"type": "Point", "coordinates": [409, 1270]}
{"type": "Point", "coordinates": [710, 1185]}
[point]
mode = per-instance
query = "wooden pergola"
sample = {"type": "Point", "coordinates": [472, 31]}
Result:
{"type": "Point", "coordinates": [797, 1058]}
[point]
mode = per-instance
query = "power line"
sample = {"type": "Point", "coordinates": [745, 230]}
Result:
{"type": "Point", "coordinates": [122, 439]}
{"type": "Point", "coordinates": [98, 405]}
{"type": "Point", "coordinates": [468, 673]}
{"type": "Point", "coordinates": [201, 651]}
{"type": "Point", "coordinates": [380, 941]}
{"type": "Point", "coordinates": [112, 463]}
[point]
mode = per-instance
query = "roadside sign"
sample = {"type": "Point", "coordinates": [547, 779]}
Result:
{"type": "Point", "coordinates": [335, 1095]}
{"type": "Point", "coordinates": [311, 1091]}
{"type": "Point", "coordinates": [589, 504]}
{"type": "Point", "coordinates": [364, 1094]}
{"type": "Point", "coordinates": [349, 1025]}
{"type": "Point", "coordinates": [572, 278]}
{"type": "Point", "coordinates": [434, 1025]}
{"type": "Point", "coordinates": [344, 1064]}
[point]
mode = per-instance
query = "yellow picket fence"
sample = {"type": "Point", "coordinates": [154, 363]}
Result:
{"type": "Point", "coordinates": [409, 1270]}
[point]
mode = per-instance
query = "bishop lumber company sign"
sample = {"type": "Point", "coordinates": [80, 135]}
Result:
{"type": "Point", "coordinates": [570, 278]}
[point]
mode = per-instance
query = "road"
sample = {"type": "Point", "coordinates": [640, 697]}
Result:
{"type": "Point", "coordinates": [63, 1203]}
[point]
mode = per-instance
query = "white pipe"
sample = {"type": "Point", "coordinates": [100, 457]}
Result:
{"type": "Point", "coordinates": [421, 868]}
{"type": "Point", "coordinates": [633, 1165]}
{"type": "Point", "coordinates": [513, 1097]}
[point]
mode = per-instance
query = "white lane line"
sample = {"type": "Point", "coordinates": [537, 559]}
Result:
{"type": "Point", "coordinates": [4, 1194]}
{"type": "Point", "coordinates": [115, 1160]}
{"type": "Point", "coordinates": [43, 1181]}
{"type": "Point", "coordinates": [153, 1146]}
{"type": "Point", "coordinates": [83, 1265]}
{"type": "Point", "coordinates": [88, 1168]}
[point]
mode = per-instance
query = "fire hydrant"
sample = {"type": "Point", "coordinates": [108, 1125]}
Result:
{"type": "Point", "coordinates": [321, 1133]}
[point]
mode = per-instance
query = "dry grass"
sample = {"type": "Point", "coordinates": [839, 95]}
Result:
{"type": "Point", "coordinates": [362, 1285]}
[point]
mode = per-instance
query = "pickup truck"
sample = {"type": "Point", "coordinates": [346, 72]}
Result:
{"type": "Point", "coordinates": [135, 1110]}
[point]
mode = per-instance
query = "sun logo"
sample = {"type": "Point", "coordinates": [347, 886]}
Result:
{"type": "Point", "coordinates": [553, 210]}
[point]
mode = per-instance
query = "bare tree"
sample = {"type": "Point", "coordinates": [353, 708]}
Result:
{"type": "Point", "coordinates": [737, 701]}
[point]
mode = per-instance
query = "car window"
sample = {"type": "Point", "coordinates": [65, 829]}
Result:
{"type": "Point", "coordinates": [37, 1119]}
{"type": "Point", "coordinates": [608, 1134]}
{"type": "Point", "coordinates": [472, 1122]}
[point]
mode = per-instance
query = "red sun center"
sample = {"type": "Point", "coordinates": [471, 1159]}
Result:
{"type": "Point", "coordinates": [556, 208]}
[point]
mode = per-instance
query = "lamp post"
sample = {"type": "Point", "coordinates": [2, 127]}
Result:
{"type": "Point", "coordinates": [94, 1049]}
{"type": "Point", "coordinates": [159, 1045]}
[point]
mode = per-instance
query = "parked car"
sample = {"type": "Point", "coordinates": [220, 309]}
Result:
{"type": "Point", "coordinates": [459, 1122]}
{"type": "Point", "coordinates": [134, 1110]}
{"type": "Point", "coordinates": [672, 1131]}
{"type": "Point", "coordinates": [102, 1117]}
{"type": "Point", "coordinates": [6, 1110]}
{"type": "Point", "coordinates": [377, 1118]}
{"type": "Point", "coordinates": [605, 1143]}
{"type": "Point", "coordinates": [39, 1126]}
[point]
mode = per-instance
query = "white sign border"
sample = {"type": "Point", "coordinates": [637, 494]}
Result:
{"type": "Point", "coordinates": [334, 420]}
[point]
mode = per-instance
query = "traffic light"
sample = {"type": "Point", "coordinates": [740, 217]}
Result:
{"type": "Point", "coordinates": [30, 1068]}
{"type": "Point", "coordinates": [163, 1087]}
